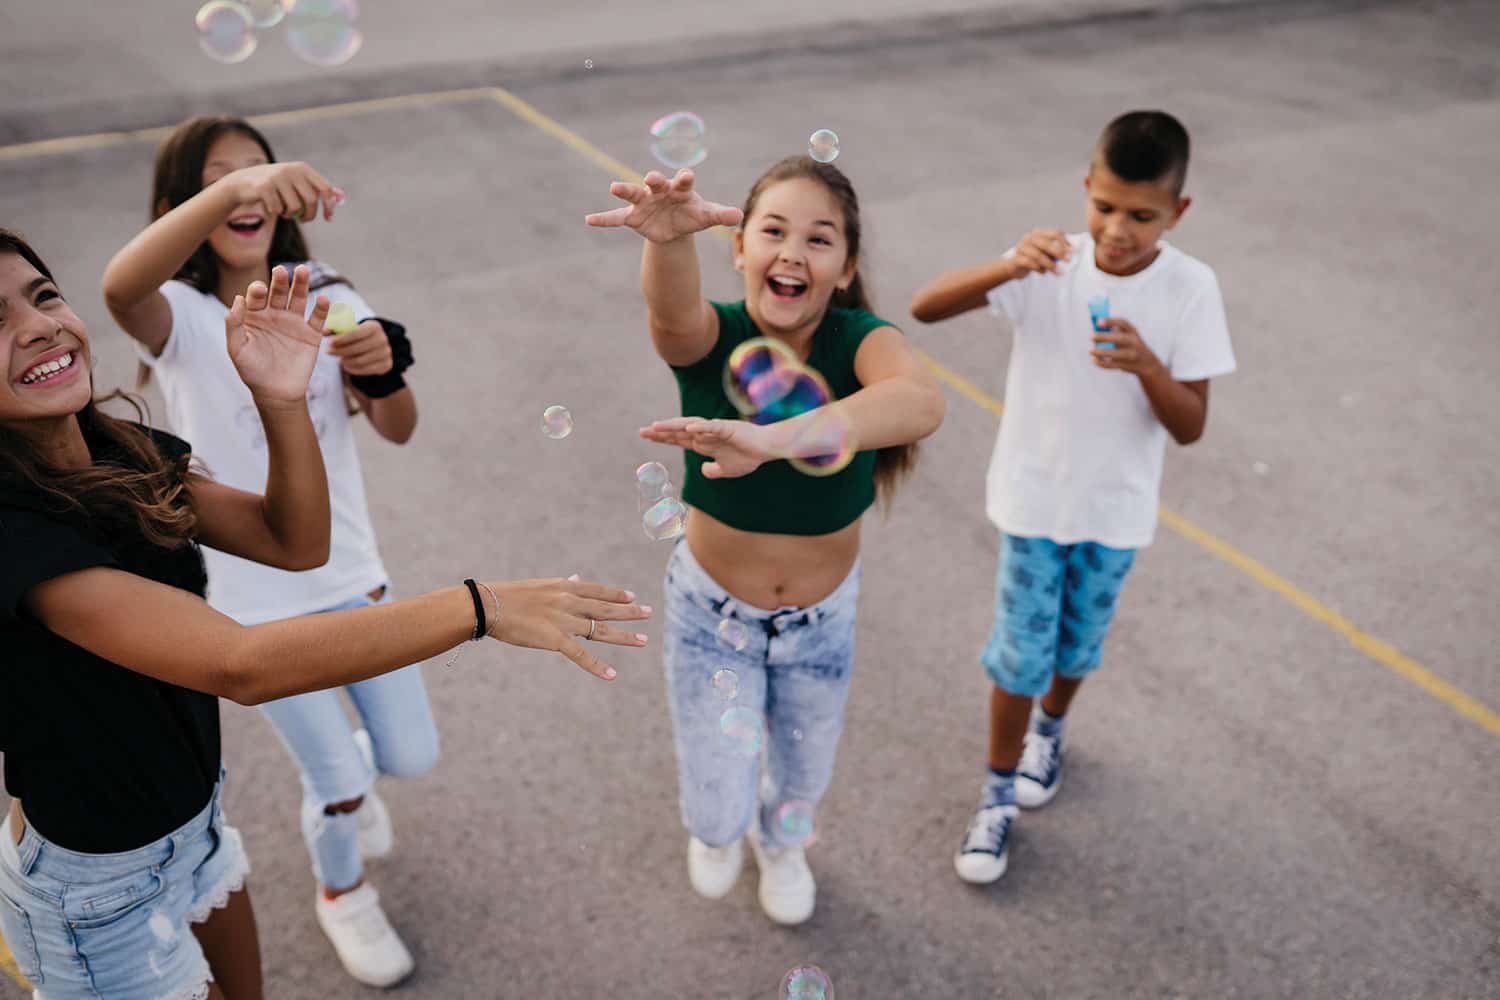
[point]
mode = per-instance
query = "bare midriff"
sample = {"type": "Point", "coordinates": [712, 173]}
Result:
{"type": "Point", "coordinates": [772, 571]}
{"type": "Point", "coordinates": [17, 822]}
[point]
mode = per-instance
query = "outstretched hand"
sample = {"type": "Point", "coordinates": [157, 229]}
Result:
{"type": "Point", "coordinates": [664, 210]}
{"type": "Point", "coordinates": [557, 614]}
{"type": "Point", "coordinates": [734, 447]}
{"type": "Point", "coordinates": [273, 348]}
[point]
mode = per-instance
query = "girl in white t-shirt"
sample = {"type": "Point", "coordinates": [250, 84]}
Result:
{"type": "Point", "coordinates": [224, 213]}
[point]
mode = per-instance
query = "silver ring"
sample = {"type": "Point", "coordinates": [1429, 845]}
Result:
{"type": "Point", "coordinates": [592, 625]}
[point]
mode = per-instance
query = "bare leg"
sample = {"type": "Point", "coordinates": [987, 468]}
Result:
{"type": "Point", "coordinates": [1058, 697]}
{"type": "Point", "coordinates": [232, 946]}
{"type": "Point", "coordinates": [1009, 714]}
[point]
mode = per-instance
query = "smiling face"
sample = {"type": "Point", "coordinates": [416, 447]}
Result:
{"type": "Point", "coordinates": [44, 349]}
{"type": "Point", "coordinates": [244, 241]}
{"type": "Point", "coordinates": [1127, 218]}
{"type": "Point", "coordinates": [794, 253]}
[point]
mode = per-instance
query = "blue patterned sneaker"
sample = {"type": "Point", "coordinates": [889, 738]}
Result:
{"type": "Point", "coordinates": [1040, 770]}
{"type": "Point", "coordinates": [982, 857]}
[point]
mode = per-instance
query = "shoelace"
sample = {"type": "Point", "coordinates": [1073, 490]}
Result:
{"type": "Point", "coordinates": [988, 829]}
{"type": "Point", "coordinates": [1038, 755]}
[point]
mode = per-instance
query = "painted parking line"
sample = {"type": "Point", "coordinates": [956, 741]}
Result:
{"type": "Point", "coordinates": [8, 966]}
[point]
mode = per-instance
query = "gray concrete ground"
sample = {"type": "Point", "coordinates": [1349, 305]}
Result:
{"type": "Point", "coordinates": [1254, 807]}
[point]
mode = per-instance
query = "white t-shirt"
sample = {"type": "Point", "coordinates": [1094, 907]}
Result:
{"type": "Point", "coordinates": [1079, 454]}
{"type": "Point", "coordinates": [211, 408]}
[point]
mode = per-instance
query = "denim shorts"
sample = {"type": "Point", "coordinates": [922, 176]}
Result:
{"type": "Point", "coordinates": [117, 925]}
{"type": "Point", "coordinates": [1053, 605]}
{"type": "Point", "coordinates": [791, 682]}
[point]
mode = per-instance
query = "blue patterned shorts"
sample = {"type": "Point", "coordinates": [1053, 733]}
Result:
{"type": "Point", "coordinates": [1053, 605]}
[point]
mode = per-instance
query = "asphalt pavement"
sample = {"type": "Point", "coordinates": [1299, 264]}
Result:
{"type": "Point", "coordinates": [1271, 791]}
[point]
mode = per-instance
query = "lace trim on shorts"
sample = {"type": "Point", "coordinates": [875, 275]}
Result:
{"type": "Point", "coordinates": [232, 882]}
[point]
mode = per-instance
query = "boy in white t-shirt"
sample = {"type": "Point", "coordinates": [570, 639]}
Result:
{"type": "Point", "coordinates": [1117, 336]}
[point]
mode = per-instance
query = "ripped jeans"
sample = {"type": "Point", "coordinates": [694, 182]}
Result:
{"type": "Point", "coordinates": [793, 674]}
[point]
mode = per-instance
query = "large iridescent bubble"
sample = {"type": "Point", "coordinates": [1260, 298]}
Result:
{"type": "Point", "coordinates": [322, 32]}
{"type": "Point", "coordinates": [226, 31]}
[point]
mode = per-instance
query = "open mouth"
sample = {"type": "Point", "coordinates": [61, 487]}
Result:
{"type": "Point", "coordinates": [786, 288]}
{"type": "Point", "coordinates": [50, 371]}
{"type": "Point", "coordinates": [247, 226]}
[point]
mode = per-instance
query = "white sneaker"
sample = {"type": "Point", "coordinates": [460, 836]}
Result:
{"type": "Point", "coordinates": [364, 939]}
{"type": "Point", "coordinates": [377, 838]}
{"type": "Point", "coordinates": [985, 851]}
{"type": "Point", "coordinates": [714, 870]}
{"type": "Point", "coordinates": [1039, 775]}
{"type": "Point", "coordinates": [788, 891]}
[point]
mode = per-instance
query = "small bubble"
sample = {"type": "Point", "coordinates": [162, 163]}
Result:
{"type": "Point", "coordinates": [823, 145]}
{"type": "Point", "coordinates": [726, 684]}
{"type": "Point", "coordinates": [665, 519]}
{"type": "Point", "coordinates": [734, 634]}
{"type": "Point", "coordinates": [588, 64]}
{"type": "Point", "coordinates": [651, 477]}
{"type": "Point", "coordinates": [322, 32]}
{"type": "Point", "coordinates": [677, 140]}
{"type": "Point", "coordinates": [557, 422]}
{"type": "Point", "coordinates": [797, 735]}
{"type": "Point", "coordinates": [806, 982]}
{"type": "Point", "coordinates": [795, 823]}
{"type": "Point", "coordinates": [741, 731]}
{"type": "Point", "coordinates": [226, 31]}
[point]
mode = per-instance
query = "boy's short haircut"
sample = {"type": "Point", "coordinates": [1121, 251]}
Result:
{"type": "Point", "coordinates": [1146, 146]}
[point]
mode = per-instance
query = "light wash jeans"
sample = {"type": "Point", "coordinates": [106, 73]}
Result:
{"type": "Point", "coordinates": [794, 672]}
{"type": "Point", "coordinates": [395, 712]}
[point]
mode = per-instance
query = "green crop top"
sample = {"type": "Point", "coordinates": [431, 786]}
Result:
{"type": "Point", "coordinates": [776, 498]}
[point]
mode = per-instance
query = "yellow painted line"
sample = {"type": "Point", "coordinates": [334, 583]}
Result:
{"type": "Point", "coordinates": [101, 140]}
{"type": "Point", "coordinates": [8, 966]}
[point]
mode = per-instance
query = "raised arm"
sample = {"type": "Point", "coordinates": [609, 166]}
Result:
{"type": "Point", "coordinates": [133, 279]}
{"type": "Point", "coordinates": [667, 213]}
{"type": "Point", "coordinates": [956, 292]}
{"type": "Point", "coordinates": [119, 616]}
{"type": "Point", "coordinates": [274, 350]}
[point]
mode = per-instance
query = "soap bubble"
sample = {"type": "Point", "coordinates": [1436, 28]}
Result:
{"type": "Point", "coordinates": [797, 735]}
{"type": "Point", "coordinates": [806, 982]}
{"type": "Point", "coordinates": [795, 823]}
{"type": "Point", "coordinates": [665, 519]}
{"type": "Point", "coordinates": [557, 422]}
{"type": "Point", "coordinates": [726, 684]}
{"type": "Point", "coordinates": [823, 145]}
{"type": "Point", "coordinates": [677, 140]}
{"type": "Point", "coordinates": [760, 371]}
{"type": "Point", "coordinates": [827, 443]}
{"type": "Point", "coordinates": [741, 731]}
{"type": "Point", "coordinates": [267, 13]}
{"type": "Point", "coordinates": [734, 634]}
{"type": "Point", "coordinates": [652, 479]}
{"type": "Point", "coordinates": [322, 32]}
{"type": "Point", "coordinates": [226, 31]}
{"type": "Point", "coordinates": [588, 64]}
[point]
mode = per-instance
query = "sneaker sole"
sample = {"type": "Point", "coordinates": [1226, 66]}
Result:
{"type": "Point", "coordinates": [1043, 796]}
{"type": "Point", "coordinates": [981, 875]}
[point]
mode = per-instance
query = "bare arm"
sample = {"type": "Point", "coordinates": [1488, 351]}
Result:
{"type": "Point", "coordinates": [1182, 407]}
{"type": "Point", "coordinates": [394, 417]}
{"type": "Point", "coordinates": [957, 292]}
{"type": "Point", "coordinates": [133, 278]}
{"type": "Point", "coordinates": [118, 616]}
{"type": "Point", "coordinates": [288, 527]}
{"type": "Point", "coordinates": [135, 274]}
{"type": "Point", "coordinates": [684, 327]}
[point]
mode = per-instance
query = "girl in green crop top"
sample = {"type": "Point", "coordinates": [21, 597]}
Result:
{"type": "Point", "coordinates": [760, 592]}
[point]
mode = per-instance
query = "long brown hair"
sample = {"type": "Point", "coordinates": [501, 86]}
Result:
{"type": "Point", "coordinates": [136, 490]}
{"type": "Point", "coordinates": [894, 463]}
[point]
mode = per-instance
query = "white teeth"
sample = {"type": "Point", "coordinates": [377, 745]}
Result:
{"type": "Point", "coordinates": [790, 282]}
{"type": "Point", "coordinates": [48, 368]}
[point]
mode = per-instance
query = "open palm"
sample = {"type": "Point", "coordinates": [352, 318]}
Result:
{"type": "Point", "coordinates": [663, 210]}
{"type": "Point", "coordinates": [273, 348]}
{"type": "Point", "coordinates": [734, 447]}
